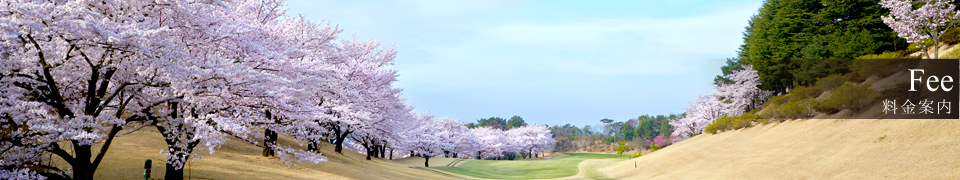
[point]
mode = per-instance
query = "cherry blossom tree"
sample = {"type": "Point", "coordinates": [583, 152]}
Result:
{"type": "Point", "coordinates": [384, 132]}
{"type": "Point", "coordinates": [744, 94]}
{"type": "Point", "coordinates": [195, 70]}
{"type": "Point", "coordinates": [660, 141]}
{"type": "Point", "coordinates": [77, 66]}
{"type": "Point", "coordinates": [455, 137]}
{"type": "Point", "coordinates": [302, 62]}
{"type": "Point", "coordinates": [366, 83]}
{"type": "Point", "coordinates": [257, 70]}
{"type": "Point", "coordinates": [703, 111]}
{"type": "Point", "coordinates": [929, 21]}
{"type": "Point", "coordinates": [531, 139]}
{"type": "Point", "coordinates": [543, 141]}
{"type": "Point", "coordinates": [493, 143]}
{"type": "Point", "coordinates": [426, 140]}
{"type": "Point", "coordinates": [77, 74]}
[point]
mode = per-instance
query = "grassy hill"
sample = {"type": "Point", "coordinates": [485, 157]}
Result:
{"type": "Point", "coordinates": [830, 147]}
{"type": "Point", "coordinates": [809, 149]}
{"type": "Point", "coordinates": [238, 160]}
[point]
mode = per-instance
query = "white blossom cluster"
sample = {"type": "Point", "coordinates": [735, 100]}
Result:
{"type": "Point", "coordinates": [743, 95]}
{"type": "Point", "coordinates": [929, 21]}
{"type": "Point", "coordinates": [445, 137]}
{"type": "Point", "coordinates": [77, 74]}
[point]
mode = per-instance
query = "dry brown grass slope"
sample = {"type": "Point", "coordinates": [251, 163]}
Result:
{"type": "Point", "coordinates": [238, 160]}
{"type": "Point", "coordinates": [834, 148]}
{"type": "Point", "coordinates": [809, 149]}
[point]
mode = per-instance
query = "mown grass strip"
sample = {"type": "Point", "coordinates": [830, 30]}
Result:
{"type": "Point", "coordinates": [563, 166]}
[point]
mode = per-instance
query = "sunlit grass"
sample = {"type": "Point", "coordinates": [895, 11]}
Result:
{"type": "Point", "coordinates": [565, 165]}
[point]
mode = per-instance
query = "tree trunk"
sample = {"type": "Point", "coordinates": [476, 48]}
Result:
{"type": "Point", "coordinates": [340, 138]}
{"type": "Point", "coordinates": [383, 151]}
{"type": "Point", "coordinates": [81, 165]}
{"type": "Point", "coordinates": [312, 146]}
{"type": "Point", "coordinates": [270, 139]}
{"type": "Point", "coordinates": [936, 43]}
{"type": "Point", "coordinates": [426, 161]}
{"type": "Point", "coordinates": [173, 173]}
{"type": "Point", "coordinates": [391, 154]}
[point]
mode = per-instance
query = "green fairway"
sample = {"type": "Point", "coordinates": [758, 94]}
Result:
{"type": "Point", "coordinates": [565, 165]}
{"type": "Point", "coordinates": [593, 156]}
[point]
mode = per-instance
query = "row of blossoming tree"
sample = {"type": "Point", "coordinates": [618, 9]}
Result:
{"type": "Point", "coordinates": [450, 138]}
{"type": "Point", "coordinates": [75, 75]}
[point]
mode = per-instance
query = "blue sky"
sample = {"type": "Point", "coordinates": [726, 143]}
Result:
{"type": "Point", "coordinates": [550, 62]}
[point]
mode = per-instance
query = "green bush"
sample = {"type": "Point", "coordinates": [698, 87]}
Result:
{"type": "Point", "coordinates": [796, 94]}
{"type": "Point", "coordinates": [777, 100]}
{"type": "Point", "coordinates": [869, 67]}
{"type": "Point", "coordinates": [952, 36]}
{"type": "Point", "coordinates": [654, 147]}
{"type": "Point", "coordinates": [637, 155]}
{"type": "Point", "coordinates": [884, 55]}
{"type": "Point", "coordinates": [799, 93]}
{"type": "Point", "coordinates": [827, 83]}
{"type": "Point", "coordinates": [791, 110]}
{"type": "Point", "coordinates": [745, 120]}
{"type": "Point", "coordinates": [914, 47]}
{"type": "Point", "coordinates": [896, 92]}
{"type": "Point", "coordinates": [802, 92]}
{"type": "Point", "coordinates": [621, 148]}
{"type": "Point", "coordinates": [848, 96]}
{"type": "Point", "coordinates": [712, 128]}
{"type": "Point", "coordinates": [880, 68]}
{"type": "Point", "coordinates": [797, 109]}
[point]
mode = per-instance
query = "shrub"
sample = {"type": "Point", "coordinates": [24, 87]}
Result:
{"type": "Point", "coordinates": [732, 122]}
{"type": "Point", "coordinates": [796, 94]}
{"type": "Point", "coordinates": [777, 100]}
{"type": "Point", "coordinates": [951, 36]}
{"type": "Point", "coordinates": [884, 55]}
{"type": "Point", "coordinates": [826, 84]}
{"type": "Point", "coordinates": [896, 92]}
{"type": "Point", "coordinates": [637, 155]}
{"type": "Point", "coordinates": [868, 67]}
{"type": "Point", "coordinates": [621, 148]}
{"type": "Point", "coordinates": [802, 92]}
{"type": "Point", "coordinates": [848, 96]}
{"type": "Point", "coordinates": [713, 128]}
{"type": "Point", "coordinates": [914, 47]}
{"type": "Point", "coordinates": [886, 64]}
{"type": "Point", "coordinates": [799, 92]}
{"type": "Point", "coordinates": [791, 110]}
{"type": "Point", "coordinates": [654, 147]}
{"type": "Point", "coordinates": [797, 109]}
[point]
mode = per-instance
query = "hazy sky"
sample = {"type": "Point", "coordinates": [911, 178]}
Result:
{"type": "Point", "coordinates": [550, 62]}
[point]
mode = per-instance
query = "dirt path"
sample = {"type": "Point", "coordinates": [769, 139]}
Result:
{"type": "Point", "coordinates": [590, 169]}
